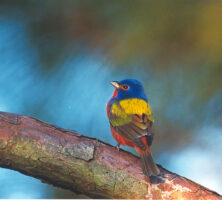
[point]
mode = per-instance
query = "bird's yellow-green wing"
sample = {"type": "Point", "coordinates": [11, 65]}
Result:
{"type": "Point", "coordinates": [126, 107]}
{"type": "Point", "coordinates": [132, 120]}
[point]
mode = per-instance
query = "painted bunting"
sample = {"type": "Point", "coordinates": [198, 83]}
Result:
{"type": "Point", "coordinates": [131, 121]}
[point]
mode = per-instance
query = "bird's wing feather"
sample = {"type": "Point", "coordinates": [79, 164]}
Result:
{"type": "Point", "coordinates": [134, 128]}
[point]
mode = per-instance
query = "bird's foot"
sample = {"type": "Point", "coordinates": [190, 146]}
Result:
{"type": "Point", "coordinates": [118, 146]}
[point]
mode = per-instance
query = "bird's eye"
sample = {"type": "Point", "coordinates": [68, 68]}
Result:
{"type": "Point", "coordinates": [125, 87]}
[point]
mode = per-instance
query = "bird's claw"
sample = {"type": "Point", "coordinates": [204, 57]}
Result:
{"type": "Point", "coordinates": [118, 146]}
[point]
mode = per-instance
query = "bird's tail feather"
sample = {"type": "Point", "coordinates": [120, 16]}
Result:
{"type": "Point", "coordinates": [148, 164]}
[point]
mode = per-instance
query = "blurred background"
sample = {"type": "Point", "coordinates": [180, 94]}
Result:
{"type": "Point", "coordinates": [58, 57]}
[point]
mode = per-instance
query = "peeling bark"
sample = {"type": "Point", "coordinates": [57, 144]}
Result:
{"type": "Point", "coordinates": [69, 160]}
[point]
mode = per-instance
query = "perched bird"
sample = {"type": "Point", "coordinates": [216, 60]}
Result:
{"type": "Point", "coordinates": [131, 121]}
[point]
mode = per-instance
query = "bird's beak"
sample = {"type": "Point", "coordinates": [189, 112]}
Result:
{"type": "Point", "coordinates": [115, 84]}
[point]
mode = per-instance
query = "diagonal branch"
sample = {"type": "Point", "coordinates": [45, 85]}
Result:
{"type": "Point", "coordinates": [69, 160]}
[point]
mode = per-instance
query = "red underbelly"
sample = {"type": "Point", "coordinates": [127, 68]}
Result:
{"type": "Point", "coordinates": [121, 140]}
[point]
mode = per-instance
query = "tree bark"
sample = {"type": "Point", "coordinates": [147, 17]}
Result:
{"type": "Point", "coordinates": [85, 165]}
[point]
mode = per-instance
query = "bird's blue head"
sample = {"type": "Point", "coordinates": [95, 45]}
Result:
{"type": "Point", "coordinates": [128, 88]}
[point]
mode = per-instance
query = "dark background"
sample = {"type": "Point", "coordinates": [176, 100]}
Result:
{"type": "Point", "coordinates": [58, 57]}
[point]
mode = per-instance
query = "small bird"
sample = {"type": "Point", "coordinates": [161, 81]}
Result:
{"type": "Point", "coordinates": [131, 121]}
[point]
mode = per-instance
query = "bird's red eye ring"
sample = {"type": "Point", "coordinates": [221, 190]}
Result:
{"type": "Point", "coordinates": [125, 87]}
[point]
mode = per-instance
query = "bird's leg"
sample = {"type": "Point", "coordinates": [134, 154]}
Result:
{"type": "Point", "coordinates": [117, 146]}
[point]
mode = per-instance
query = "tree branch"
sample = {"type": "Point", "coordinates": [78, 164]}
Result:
{"type": "Point", "coordinates": [85, 165]}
